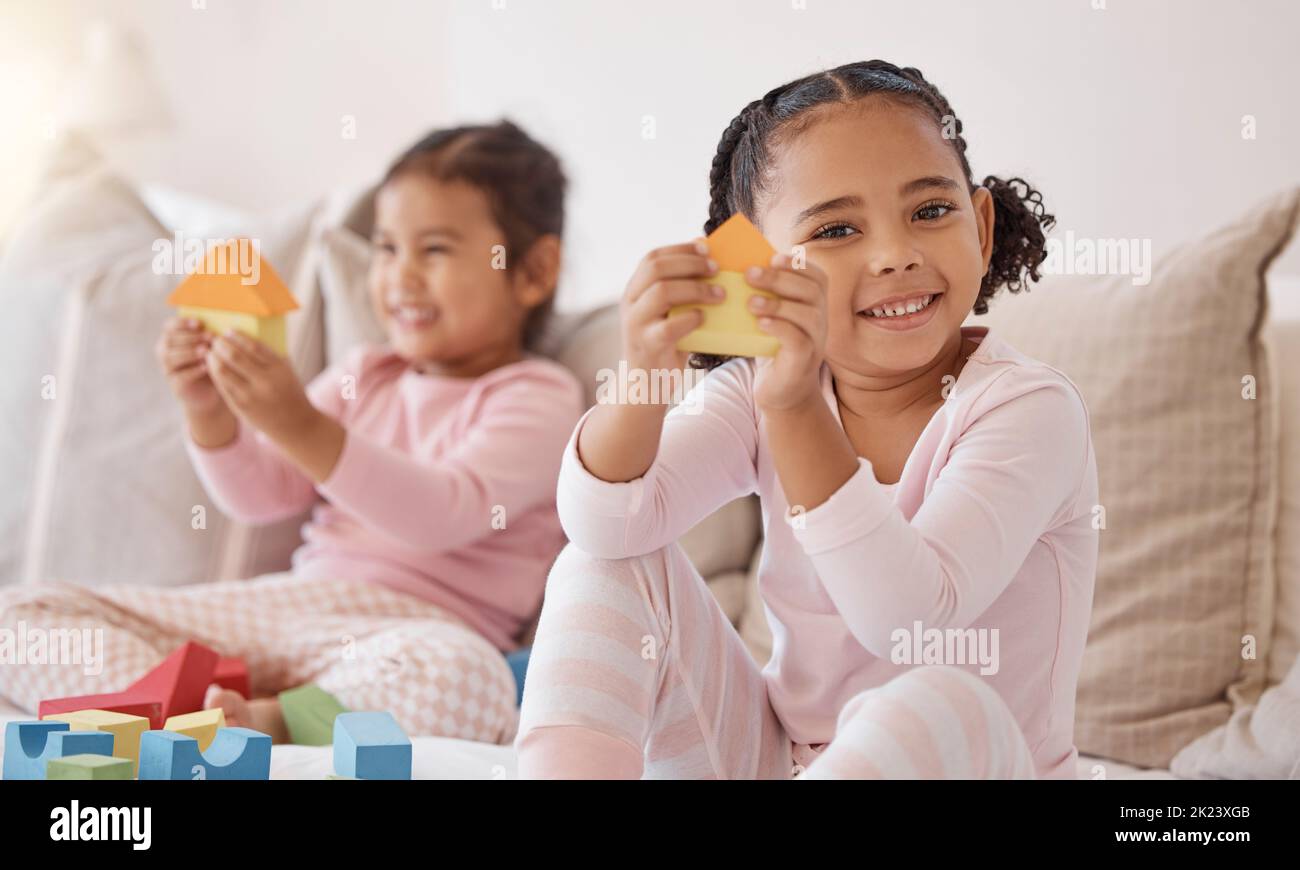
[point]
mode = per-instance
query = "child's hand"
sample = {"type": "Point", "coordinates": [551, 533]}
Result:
{"type": "Point", "coordinates": [673, 275]}
{"type": "Point", "coordinates": [798, 318]}
{"type": "Point", "coordinates": [180, 350]}
{"type": "Point", "coordinates": [260, 386]}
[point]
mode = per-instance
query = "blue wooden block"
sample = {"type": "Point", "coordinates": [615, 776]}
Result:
{"type": "Point", "coordinates": [371, 746]}
{"type": "Point", "coordinates": [235, 753]}
{"type": "Point", "coordinates": [29, 746]}
{"type": "Point", "coordinates": [518, 661]}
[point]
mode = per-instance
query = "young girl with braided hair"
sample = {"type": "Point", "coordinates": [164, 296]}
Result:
{"type": "Point", "coordinates": [919, 479]}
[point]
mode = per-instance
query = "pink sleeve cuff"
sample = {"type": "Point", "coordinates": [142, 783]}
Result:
{"type": "Point", "coordinates": [853, 511]}
{"type": "Point", "coordinates": [225, 461]}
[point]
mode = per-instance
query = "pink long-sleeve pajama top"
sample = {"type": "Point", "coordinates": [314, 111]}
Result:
{"type": "Point", "coordinates": [445, 488]}
{"type": "Point", "coordinates": [982, 555]}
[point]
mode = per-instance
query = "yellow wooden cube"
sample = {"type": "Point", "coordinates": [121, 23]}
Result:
{"type": "Point", "coordinates": [201, 725]}
{"type": "Point", "coordinates": [268, 330]}
{"type": "Point", "coordinates": [729, 327]}
{"type": "Point", "coordinates": [126, 730]}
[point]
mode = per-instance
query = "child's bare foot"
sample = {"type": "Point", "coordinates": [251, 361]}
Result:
{"type": "Point", "coordinates": [260, 714]}
{"type": "Point", "coordinates": [232, 704]}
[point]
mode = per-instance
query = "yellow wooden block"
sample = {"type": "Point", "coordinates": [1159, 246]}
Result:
{"type": "Point", "coordinates": [201, 725]}
{"type": "Point", "coordinates": [268, 330]}
{"type": "Point", "coordinates": [729, 327]}
{"type": "Point", "coordinates": [126, 730]}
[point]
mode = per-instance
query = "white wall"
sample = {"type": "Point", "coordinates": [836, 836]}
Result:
{"type": "Point", "coordinates": [257, 88]}
{"type": "Point", "coordinates": [1128, 118]}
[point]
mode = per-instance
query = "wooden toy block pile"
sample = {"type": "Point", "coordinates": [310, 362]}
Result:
{"type": "Point", "coordinates": [157, 729]}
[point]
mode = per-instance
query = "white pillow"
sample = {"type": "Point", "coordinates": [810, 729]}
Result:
{"type": "Point", "coordinates": [98, 486]}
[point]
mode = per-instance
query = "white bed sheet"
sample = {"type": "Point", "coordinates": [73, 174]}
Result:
{"type": "Point", "coordinates": [449, 758]}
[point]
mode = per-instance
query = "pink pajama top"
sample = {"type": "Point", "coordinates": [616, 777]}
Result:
{"type": "Point", "coordinates": [445, 488]}
{"type": "Point", "coordinates": [982, 556]}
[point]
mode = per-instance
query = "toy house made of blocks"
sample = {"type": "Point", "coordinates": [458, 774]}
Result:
{"type": "Point", "coordinates": [222, 297]}
{"type": "Point", "coordinates": [729, 327]}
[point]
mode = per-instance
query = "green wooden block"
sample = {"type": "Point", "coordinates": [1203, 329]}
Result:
{"type": "Point", "coordinates": [89, 767]}
{"type": "Point", "coordinates": [309, 713]}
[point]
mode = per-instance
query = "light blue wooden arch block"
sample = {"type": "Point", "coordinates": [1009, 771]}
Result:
{"type": "Point", "coordinates": [235, 753]}
{"type": "Point", "coordinates": [371, 746]}
{"type": "Point", "coordinates": [29, 746]}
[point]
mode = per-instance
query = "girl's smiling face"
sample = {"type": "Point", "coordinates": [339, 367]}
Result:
{"type": "Point", "coordinates": [879, 201]}
{"type": "Point", "coordinates": [436, 284]}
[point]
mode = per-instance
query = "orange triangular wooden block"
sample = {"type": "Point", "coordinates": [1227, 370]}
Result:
{"type": "Point", "coordinates": [737, 245]}
{"type": "Point", "coordinates": [220, 285]}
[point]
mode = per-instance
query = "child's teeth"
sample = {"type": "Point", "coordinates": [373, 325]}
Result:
{"type": "Point", "coordinates": [900, 309]}
{"type": "Point", "coordinates": [414, 314]}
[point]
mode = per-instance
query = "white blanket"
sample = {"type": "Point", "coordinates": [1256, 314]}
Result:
{"type": "Point", "coordinates": [449, 758]}
{"type": "Point", "coordinates": [1259, 742]}
{"type": "Point", "coordinates": [432, 757]}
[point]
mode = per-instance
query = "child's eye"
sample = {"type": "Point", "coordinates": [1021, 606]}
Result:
{"type": "Point", "coordinates": [435, 249]}
{"type": "Point", "coordinates": [833, 231]}
{"type": "Point", "coordinates": [384, 247]}
{"type": "Point", "coordinates": [932, 211]}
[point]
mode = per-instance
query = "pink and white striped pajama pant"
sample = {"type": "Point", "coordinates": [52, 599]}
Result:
{"type": "Point", "coordinates": [371, 647]}
{"type": "Point", "coordinates": [637, 672]}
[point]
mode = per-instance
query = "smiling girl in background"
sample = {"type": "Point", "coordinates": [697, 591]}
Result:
{"type": "Point", "coordinates": [914, 474]}
{"type": "Point", "coordinates": [436, 455]}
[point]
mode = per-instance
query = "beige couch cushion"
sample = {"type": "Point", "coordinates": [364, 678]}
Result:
{"type": "Point", "coordinates": [1283, 335]}
{"type": "Point", "coordinates": [1259, 741]}
{"type": "Point", "coordinates": [348, 318]}
{"type": "Point", "coordinates": [1262, 741]}
{"type": "Point", "coordinates": [755, 630]}
{"type": "Point", "coordinates": [1187, 468]}
{"type": "Point", "coordinates": [98, 487]}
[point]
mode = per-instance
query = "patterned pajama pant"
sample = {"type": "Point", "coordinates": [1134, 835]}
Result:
{"type": "Point", "coordinates": [636, 672]}
{"type": "Point", "coordinates": [373, 648]}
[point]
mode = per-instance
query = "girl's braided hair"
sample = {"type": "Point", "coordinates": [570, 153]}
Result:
{"type": "Point", "coordinates": [741, 166]}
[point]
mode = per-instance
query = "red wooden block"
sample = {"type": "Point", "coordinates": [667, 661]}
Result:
{"type": "Point", "coordinates": [232, 674]}
{"type": "Point", "coordinates": [180, 681]}
{"type": "Point", "coordinates": [116, 702]}
{"type": "Point", "coordinates": [176, 686]}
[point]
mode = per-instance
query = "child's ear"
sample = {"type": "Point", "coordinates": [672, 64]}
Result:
{"type": "Point", "coordinates": [541, 270]}
{"type": "Point", "coordinates": [985, 220]}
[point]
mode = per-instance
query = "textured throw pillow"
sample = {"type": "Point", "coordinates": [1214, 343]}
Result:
{"type": "Point", "coordinates": [1182, 408]}
{"type": "Point", "coordinates": [1261, 741]}
{"type": "Point", "coordinates": [1283, 335]}
{"type": "Point", "coordinates": [349, 319]}
{"type": "Point", "coordinates": [98, 486]}
{"type": "Point", "coordinates": [754, 628]}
